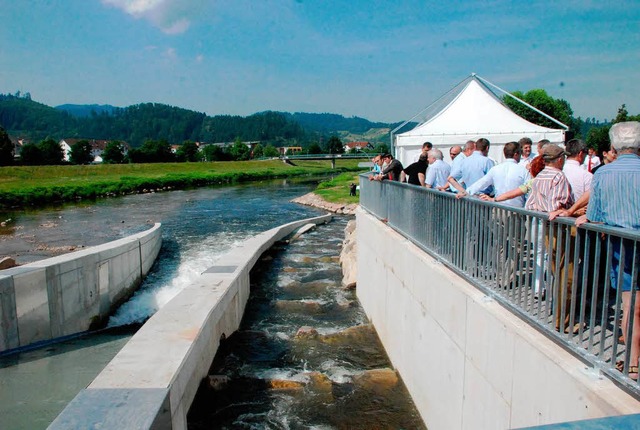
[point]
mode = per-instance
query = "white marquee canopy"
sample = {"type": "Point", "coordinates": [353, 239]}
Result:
{"type": "Point", "coordinates": [468, 112]}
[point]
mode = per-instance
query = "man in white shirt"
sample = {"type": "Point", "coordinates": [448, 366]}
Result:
{"type": "Point", "coordinates": [438, 170]}
{"type": "Point", "coordinates": [591, 161]}
{"type": "Point", "coordinates": [504, 177]}
{"type": "Point", "coordinates": [579, 178]}
{"type": "Point", "coordinates": [469, 147]}
{"type": "Point", "coordinates": [426, 147]}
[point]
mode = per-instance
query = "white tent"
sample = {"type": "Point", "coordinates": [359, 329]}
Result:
{"type": "Point", "coordinates": [470, 111]}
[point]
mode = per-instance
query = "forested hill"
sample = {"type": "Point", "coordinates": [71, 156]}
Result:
{"type": "Point", "coordinates": [23, 117]}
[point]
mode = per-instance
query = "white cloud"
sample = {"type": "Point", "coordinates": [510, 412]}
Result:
{"type": "Point", "coordinates": [199, 58]}
{"type": "Point", "coordinates": [171, 16]}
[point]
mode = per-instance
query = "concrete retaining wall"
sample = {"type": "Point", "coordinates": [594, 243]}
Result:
{"type": "Point", "coordinates": [151, 382]}
{"type": "Point", "coordinates": [65, 295]}
{"type": "Point", "coordinates": [467, 361]}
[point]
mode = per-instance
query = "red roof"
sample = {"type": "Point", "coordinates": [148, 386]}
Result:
{"type": "Point", "coordinates": [360, 145]}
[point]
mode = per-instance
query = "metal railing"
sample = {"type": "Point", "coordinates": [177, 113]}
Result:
{"type": "Point", "coordinates": [553, 275]}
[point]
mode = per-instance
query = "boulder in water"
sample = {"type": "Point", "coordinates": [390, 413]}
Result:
{"type": "Point", "coordinates": [306, 332]}
{"type": "Point", "coordinates": [7, 263]}
{"type": "Point", "coordinates": [218, 382]}
{"type": "Point", "coordinates": [376, 379]}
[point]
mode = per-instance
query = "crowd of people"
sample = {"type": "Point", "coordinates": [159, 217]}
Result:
{"type": "Point", "coordinates": [567, 180]}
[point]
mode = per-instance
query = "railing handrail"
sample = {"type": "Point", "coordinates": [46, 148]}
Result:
{"type": "Point", "coordinates": [486, 233]}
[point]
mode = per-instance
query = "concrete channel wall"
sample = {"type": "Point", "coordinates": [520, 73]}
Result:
{"type": "Point", "coordinates": [467, 362]}
{"type": "Point", "coordinates": [69, 293]}
{"type": "Point", "coordinates": [152, 381]}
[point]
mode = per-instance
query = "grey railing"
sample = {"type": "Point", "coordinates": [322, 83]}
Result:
{"type": "Point", "coordinates": [553, 275]}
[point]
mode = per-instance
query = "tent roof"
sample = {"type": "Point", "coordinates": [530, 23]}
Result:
{"type": "Point", "coordinates": [475, 110]}
{"type": "Point", "coordinates": [467, 112]}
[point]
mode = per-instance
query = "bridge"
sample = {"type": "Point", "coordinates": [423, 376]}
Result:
{"type": "Point", "coordinates": [332, 157]}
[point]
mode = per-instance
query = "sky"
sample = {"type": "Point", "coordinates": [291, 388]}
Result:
{"type": "Point", "coordinates": [381, 60]}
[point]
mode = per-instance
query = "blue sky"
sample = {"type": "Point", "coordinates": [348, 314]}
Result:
{"type": "Point", "coordinates": [382, 60]}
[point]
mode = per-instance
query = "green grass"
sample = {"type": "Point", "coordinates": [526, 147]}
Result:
{"type": "Point", "coordinates": [337, 189]}
{"type": "Point", "coordinates": [39, 185]}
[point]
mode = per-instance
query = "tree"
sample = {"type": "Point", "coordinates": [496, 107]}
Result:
{"type": "Point", "coordinates": [258, 151]}
{"type": "Point", "coordinates": [113, 153]}
{"type": "Point", "coordinates": [598, 138]}
{"type": "Point", "coordinates": [31, 155]}
{"type": "Point", "coordinates": [623, 114]}
{"type": "Point", "coordinates": [271, 151]}
{"type": "Point", "coordinates": [239, 151]}
{"type": "Point", "coordinates": [52, 152]}
{"type": "Point", "coordinates": [6, 149]}
{"type": "Point", "coordinates": [81, 153]}
{"type": "Point", "coordinates": [153, 151]}
{"type": "Point", "coordinates": [538, 98]}
{"type": "Point", "coordinates": [213, 153]}
{"type": "Point", "coordinates": [188, 151]}
{"type": "Point", "coordinates": [314, 148]}
{"type": "Point", "coordinates": [381, 148]}
{"type": "Point", "coordinates": [334, 146]}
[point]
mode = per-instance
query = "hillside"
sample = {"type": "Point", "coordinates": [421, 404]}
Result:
{"type": "Point", "coordinates": [23, 117]}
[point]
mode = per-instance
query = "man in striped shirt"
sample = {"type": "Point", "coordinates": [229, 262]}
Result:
{"type": "Point", "coordinates": [551, 191]}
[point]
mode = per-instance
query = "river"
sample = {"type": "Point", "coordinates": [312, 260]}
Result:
{"type": "Point", "coordinates": [199, 226]}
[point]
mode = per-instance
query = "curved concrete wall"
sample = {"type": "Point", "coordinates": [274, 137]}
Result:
{"type": "Point", "coordinates": [151, 382]}
{"type": "Point", "coordinates": [66, 294]}
{"type": "Point", "coordinates": [468, 362]}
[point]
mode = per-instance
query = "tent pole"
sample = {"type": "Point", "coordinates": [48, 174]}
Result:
{"type": "Point", "coordinates": [566, 127]}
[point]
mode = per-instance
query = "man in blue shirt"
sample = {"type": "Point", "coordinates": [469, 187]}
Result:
{"type": "Point", "coordinates": [473, 168]}
{"type": "Point", "coordinates": [615, 201]}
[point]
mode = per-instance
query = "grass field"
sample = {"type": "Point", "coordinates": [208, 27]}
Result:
{"type": "Point", "coordinates": [337, 189]}
{"type": "Point", "coordinates": [37, 185]}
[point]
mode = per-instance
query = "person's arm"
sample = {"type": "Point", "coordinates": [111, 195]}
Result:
{"type": "Point", "coordinates": [573, 210]}
{"type": "Point", "coordinates": [507, 195]}
{"type": "Point", "coordinates": [455, 184]}
{"type": "Point", "coordinates": [403, 176]}
{"type": "Point", "coordinates": [421, 177]}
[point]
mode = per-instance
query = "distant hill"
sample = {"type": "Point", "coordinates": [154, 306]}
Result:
{"type": "Point", "coordinates": [23, 117]}
{"type": "Point", "coordinates": [82, 111]}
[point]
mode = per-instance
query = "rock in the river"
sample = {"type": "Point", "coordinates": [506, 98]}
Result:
{"type": "Point", "coordinates": [218, 382]}
{"type": "Point", "coordinates": [348, 256]}
{"type": "Point", "coordinates": [376, 380]}
{"type": "Point", "coordinates": [7, 263]}
{"type": "Point", "coordinates": [307, 332]}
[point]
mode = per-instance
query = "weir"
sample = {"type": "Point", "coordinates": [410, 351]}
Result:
{"type": "Point", "coordinates": [152, 381]}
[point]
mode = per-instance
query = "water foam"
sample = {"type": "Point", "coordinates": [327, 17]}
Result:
{"type": "Point", "coordinates": [165, 284]}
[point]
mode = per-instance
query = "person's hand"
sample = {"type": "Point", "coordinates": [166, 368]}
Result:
{"type": "Point", "coordinates": [487, 198]}
{"type": "Point", "coordinates": [558, 213]}
{"type": "Point", "coordinates": [461, 195]}
{"type": "Point", "coordinates": [581, 220]}
{"type": "Point", "coordinates": [580, 212]}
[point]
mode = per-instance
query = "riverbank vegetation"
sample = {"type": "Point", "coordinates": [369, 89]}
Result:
{"type": "Point", "coordinates": [336, 190]}
{"type": "Point", "coordinates": [39, 185]}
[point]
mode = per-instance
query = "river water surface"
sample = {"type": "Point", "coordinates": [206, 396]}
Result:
{"type": "Point", "coordinates": [199, 226]}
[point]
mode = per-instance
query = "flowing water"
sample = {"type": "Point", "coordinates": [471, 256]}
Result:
{"type": "Point", "coordinates": [299, 286]}
{"type": "Point", "coordinates": [305, 356]}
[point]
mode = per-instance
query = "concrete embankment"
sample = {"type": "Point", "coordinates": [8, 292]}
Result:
{"type": "Point", "coordinates": [74, 292]}
{"type": "Point", "coordinates": [152, 381]}
{"type": "Point", "coordinates": [467, 361]}
{"type": "Point", "coordinates": [314, 200]}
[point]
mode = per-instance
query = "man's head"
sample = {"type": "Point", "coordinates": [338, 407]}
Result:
{"type": "Point", "coordinates": [426, 147]}
{"type": "Point", "coordinates": [469, 147]}
{"type": "Point", "coordinates": [553, 156]}
{"type": "Point", "coordinates": [576, 150]}
{"type": "Point", "coordinates": [482, 145]}
{"type": "Point", "coordinates": [625, 137]}
{"type": "Point", "coordinates": [542, 144]}
{"type": "Point", "coordinates": [525, 146]}
{"type": "Point", "coordinates": [591, 152]}
{"type": "Point", "coordinates": [512, 150]}
{"type": "Point", "coordinates": [387, 158]}
{"type": "Point", "coordinates": [454, 151]}
{"type": "Point", "coordinates": [434, 154]}
{"type": "Point", "coordinates": [610, 155]}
